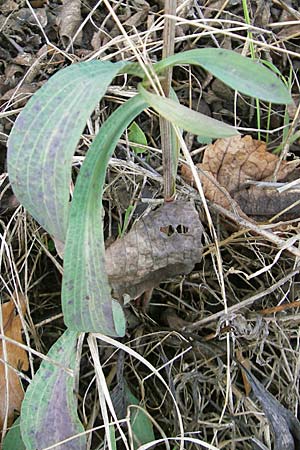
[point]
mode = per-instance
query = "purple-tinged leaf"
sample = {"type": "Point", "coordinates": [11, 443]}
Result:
{"type": "Point", "coordinates": [49, 409]}
{"type": "Point", "coordinates": [44, 138]}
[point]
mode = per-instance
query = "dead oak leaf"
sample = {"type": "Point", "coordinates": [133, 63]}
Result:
{"type": "Point", "coordinates": [235, 160]}
{"type": "Point", "coordinates": [16, 358]}
{"type": "Point", "coordinates": [212, 189]}
{"type": "Point", "coordinates": [231, 162]}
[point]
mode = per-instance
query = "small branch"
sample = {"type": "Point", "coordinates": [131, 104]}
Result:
{"type": "Point", "coordinates": [242, 304]}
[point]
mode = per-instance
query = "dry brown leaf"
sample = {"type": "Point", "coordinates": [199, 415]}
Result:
{"type": "Point", "coordinates": [172, 320]}
{"type": "Point", "coordinates": [289, 32]}
{"type": "Point", "coordinates": [19, 96]}
{"type": "Point", "coordinates": [165, 243]}
{"type": "Point", "coordinates": [213, 191]}
{"type": "Point", "coordinates": [16, 357]}
{"type": "Point", "coordinates": [233, 161]}
{"type": "Point", "coordinates": [263, 202]}
{"type": "Point", "coordinates": [69, 21]}
{"type": "Point", "coordinates": [285, 425]}
{"type": "Point", "coordinates": [230, 163]}
{"type": "Point", "coordinates": [138, 17]}
{"type": "Point", "coordinates": [9, 6]}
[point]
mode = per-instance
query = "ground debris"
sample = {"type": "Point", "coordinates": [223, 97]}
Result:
{"type": "Point", "coordinates": [69, 21]}
{"type": "Point", "coordinates": [285, 425]}
{"type": "Point", "coordinates": [230, 165]}
{"type": "Point", "coordinates": [16, 358]}
{"type": "Point", "coordinates": [166, 243]}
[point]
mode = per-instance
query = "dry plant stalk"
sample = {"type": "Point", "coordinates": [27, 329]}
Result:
{"type": "Point", "coordinates": [165, 125]}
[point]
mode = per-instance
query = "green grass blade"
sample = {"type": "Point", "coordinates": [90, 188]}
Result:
{"type": "Point", "coordinates": [238, 72]}
{"type": "Point", "coordinates": [44, 138]}
{"type": "Point", "coordinates": [49, 409]}
{"type": "Point", "coordinates": [186, 118]}
{"type": "Point", "coordinates": [86, 296]}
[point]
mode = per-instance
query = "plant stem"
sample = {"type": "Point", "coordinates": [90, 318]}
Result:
{"type": "Point", "coordinates": [165, 125]}
{"type": "Point", "coordinates": [252, 52]}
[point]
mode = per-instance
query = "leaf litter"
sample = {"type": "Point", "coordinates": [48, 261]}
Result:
{"type": "Point", "coordinates": [285, 425]}
{"type": "Point", "coordinates": [163, 244]}
{"type": "Point", "coordinates": [238, 174]}
{"type": "Point", "coordinates": [15, 359]}
{"type": "Point", "coordinates": [196, 377]}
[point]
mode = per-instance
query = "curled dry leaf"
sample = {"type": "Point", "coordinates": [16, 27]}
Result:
{"type": "Point", "coordinates": [235, 160]}
{"type": "Point", "coordinates": [285, 425]}
{"type": "Point", "coordinates": [262, 201]}
{"type": "Point", "coordinates": [16, 358]}
{"type": "Point", "coordinates": [229, 164]}
{"type": "Point", "coordinates": [20, 95]}
{"type": "Point", "coordinates": [140, 16]}
{"type": "Point", "coordinates": [69, 21]}
{"type": "Point", "coordinates": [213, 190]}
{"type": "Point", "coordinates": [165, 243]}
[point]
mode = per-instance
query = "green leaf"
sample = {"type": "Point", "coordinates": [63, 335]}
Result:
{"type": "Point", "coordinates": [204, 140]}
{"type": "Point", "coordinates": [122, 230]}
{"type": "Point", "coordinates": [186, 118]}
{"type": "Point", "coordinates": [49, 409]}
{"type": "Point", "coordinates": [86, 296]}
{"type": "Point", "coordinates": [44, 138]}
{"type": "Point", "coordinates": [238, 72]}
{"type": "Point", "coordinates": [137, 136]}
{"type": "Point", "coordinates": [13, 439]}
{"type": "Point", "coordinates": [141, 425]}
{"type": "Point", "coordinates": [273, 68]}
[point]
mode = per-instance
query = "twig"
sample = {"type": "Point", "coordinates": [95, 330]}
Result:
{"type": "Point", "coordinates": [243, 304]}
{"type": "Point", "coordinates": [281, 243]}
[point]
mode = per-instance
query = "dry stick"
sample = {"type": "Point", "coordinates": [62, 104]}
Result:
{"type": "Point", "coordinates": [165, 125]}
{"type": "Point", "coordinates": [272, 237]}
{"type": "Point", "coordinates": [243, 304]}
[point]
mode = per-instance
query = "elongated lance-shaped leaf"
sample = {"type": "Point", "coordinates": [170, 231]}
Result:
{"type": "Point", "coordinates": [44, 138]}
{"type": "Point", "coordinates": [238, 72]}
{"type": "Point", "coordinates": [186, 118]}
{"type": "Point", "coordinates": [49, 409]}
{"type": "Point", "coordinates": [86, 297]}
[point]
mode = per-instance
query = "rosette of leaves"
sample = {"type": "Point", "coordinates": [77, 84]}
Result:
{"type": "Point", "coordinates": [40, 151]}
